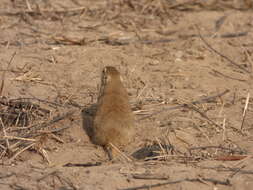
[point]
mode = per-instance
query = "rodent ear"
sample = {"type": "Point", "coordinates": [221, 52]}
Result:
{"type": "Point", "coordinates": [104, 70]}
{"type": "Point", "coordinates": [108, 78]}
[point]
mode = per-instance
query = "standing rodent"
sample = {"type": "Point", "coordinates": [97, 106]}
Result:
{"type": "Point", "coordinates": [114, 120]}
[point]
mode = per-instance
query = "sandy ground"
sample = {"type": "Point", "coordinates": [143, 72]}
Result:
{"type": "Point", "coordinates": [59, 49]}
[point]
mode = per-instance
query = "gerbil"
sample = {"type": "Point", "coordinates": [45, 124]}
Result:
{"type": "Point", "coordinates": [114, 120]}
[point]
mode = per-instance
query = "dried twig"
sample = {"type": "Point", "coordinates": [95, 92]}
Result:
{"type": "Point", "coordinates": [233, 35]}
{"type": "Point", "coordinates": [19, 138]}
{"type": "Point", "coordinates": [167, 156]}
{"type": "Point", "coordinates": [207, 99]}
{"type": "Point", "coordinates": [6, 175]}
{"type": "Point", "coordinates": [71, 41]}
{"type": "Point", "coordinates": [67, 181]}
{"type": "Point", "coordinates": [228, 169]}
{"type": "Point", "coordinates": [179, 4]}
{"type": "Point", "coordinates": [89, 164]}
{"type": "Point", "coordinates": [37, 99]}
{"type": "Point", "coordinates": [44, 154]}
{"type": "Point", "coordinates": [149, 176]}
{"type": "Point", "coordinates": [220, 54]}
{"type": "Point", "coordinates": [121, 153]}
{"type": "Point", "coordinates": [64, 40]}
{"type": "Point", "coordinates": [28, 5]}
{"type": "Point", "coordinates": [231, 157]}
{"type": "Point", "coordinates": [226, 76]}
{"type": "Point", "coordinates": [19, 104]}
{"type": "Point", "coordinates": [58, 130]}
{"type": "Point", "coordinates": [47, 175]}
{"type": "Point", "coordinates": [3, 76]}
{"type": "Point", "coordinates": [203, 115]}
{"type": "Point", "coordinates": [4, 133]}
{"type": "Point", "coordinates": [214, 181]}
{"type": "Point", "coordinates": [41, 11]}
{"type": "Point", "coordinates": [224, 129]}
{"type": "Point", "coordinates": [220, 22]}
{"type": "Point", "coordinates": [21, 113]}
{"type": "Point", "coordinates": [46, 124]}
{"type": "Point", "coordinates": [217, 147]}
{"type": "Point", "coordinates": [245, 110]}
{"type": "Point", "coordinates": [19, 152]}
{"type": "Point", "coordinates": [237, 171]}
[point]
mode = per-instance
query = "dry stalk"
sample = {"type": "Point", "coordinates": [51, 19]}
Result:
{"type": "Point", "coordinates": [44, 11]}
{"type": "Point", "coordinates": [3, 76]}
{"type": "Point", "coordinates": [224, 129]}
{"type": "Point", "coordinates": [53, 173]}
{"type": "Point", "coordinates": [150, 176]}
{"type": "Point", "coordinates": [4, 133]}
{"type": "Point", "coordinates": [203, 115]}
{"type": "Point", "coordinates": [3, 147]}
{"type": "Point", "coordinates": [230, 150]}
{"type": "Point", "coordinates": [88, 164]}
{"type": "Point", "coordinates": [226, 76]}
{"type": "Point", "coordinates": [28, 5]}
{"type": "Point", "coordinates": [160, 145]}
{"type": "Point", "coordinates": [245, 110]}
{"type": "Point", "coordinates": [19, 152]}
{"type": "Point", "coordinates": [50, 134]}
{"type": "Point", "coordinates": [44, 154]}
{"type": "Point", "coordinates": [225, 182]}
{"type": "Point", "coordinates": [19, 138]}
{"type": "Point", "coordinates": [46, 124]}
{"type": "Point", "coordinates": [220, 54]}
{"type": "Point", "coordinates": [120, 152]}
{"type": "Point", "coordinates": [207, 99]}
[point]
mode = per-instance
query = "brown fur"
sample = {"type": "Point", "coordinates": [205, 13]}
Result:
{"type": "Point", "coordinates": [114, 121]}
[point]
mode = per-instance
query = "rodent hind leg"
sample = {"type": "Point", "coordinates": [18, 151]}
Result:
{"type": "Point", "coordinates": [109, 151]}
{"type": "Point", "coordinates": [113, 152]}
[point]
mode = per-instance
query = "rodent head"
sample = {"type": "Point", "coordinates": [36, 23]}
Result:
{"type": "Point", "coordinates": [110, 73]}
{"type": "Point", "coordinates": [110, 81]}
